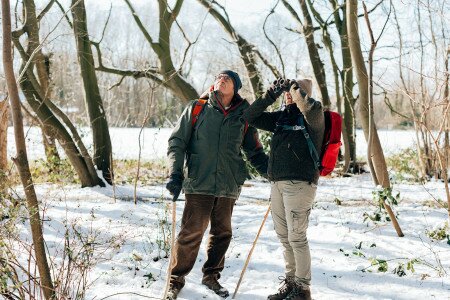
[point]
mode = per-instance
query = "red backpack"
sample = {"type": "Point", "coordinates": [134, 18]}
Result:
{"type": "Point", "coordinates": [326, 161]}
{"type": "Point", "coordinates": [198, 108]}
{"type": "Point", "coordinates": [331, 142]}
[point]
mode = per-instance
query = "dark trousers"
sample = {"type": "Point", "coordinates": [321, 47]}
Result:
{"type": "Point", "coordinates": [198, 212]}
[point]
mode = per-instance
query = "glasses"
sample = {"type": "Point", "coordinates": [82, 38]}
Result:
{"type": "Point", "coordinates": [225, 77]}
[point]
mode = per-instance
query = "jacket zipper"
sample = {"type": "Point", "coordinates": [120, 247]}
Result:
{"type": "Point", "coordinates": [289, 147]}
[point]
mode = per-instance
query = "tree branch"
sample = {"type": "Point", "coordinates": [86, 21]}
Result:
{"type": "Point", "coordinates": [45, 10]}
{"type": "Point", "coordinates": [147, 73]}
{"type": "Point", "coordinates": [139, 23]}
{"type": "Point", "coordinates": [65, 13]}
{"type": "Point", "coordinates": [272, 67]}
{"type": "Point", "coordinates": [292, 11]}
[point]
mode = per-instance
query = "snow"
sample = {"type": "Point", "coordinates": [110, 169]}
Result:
{"type": "Point", "coordinates": [154, 142]}
{"type": "Point", "coordinates": [126, 235]}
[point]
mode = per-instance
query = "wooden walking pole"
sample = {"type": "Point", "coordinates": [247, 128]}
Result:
{"type": "Point", "coordinates": [251, 251]}
{"type": "Point", "coordinates": [172, 244]}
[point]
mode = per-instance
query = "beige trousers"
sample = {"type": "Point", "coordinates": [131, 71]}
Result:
{"type": "Point", "coordinates": [291, 205]}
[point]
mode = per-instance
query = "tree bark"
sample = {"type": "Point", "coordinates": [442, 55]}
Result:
{"type": "Point", "coordinates": [446, 121]}
{"type": "Point", "coordinates": [347, 82]}
{"type": "Point", "coordinates": [314, 57]}
{"type": "Point", "coordinates": [43, 107]}
{"type": "Point", "coordinates": [94, 104]}
{"type": "Point", "coordinates": [4, 112]}
{"type": "Point", "coordinates": [379, 172]}
{"type": "Point", "coordinates": [21, 159]}
{"type": "Point", "coordinates": [32, 29]}
{"type": "Point", "coordinates": [54, 127]}
{"type": "Point", "coordinates": [348, 126]}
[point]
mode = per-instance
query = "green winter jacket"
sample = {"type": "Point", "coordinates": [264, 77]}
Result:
{"type": "Point", "coordinates": [212, 149]}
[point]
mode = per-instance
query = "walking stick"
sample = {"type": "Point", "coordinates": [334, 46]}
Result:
{"type": "Point", "coordinates": [251, 251]}
{"type": "Point", "coordinates": [172, 243]}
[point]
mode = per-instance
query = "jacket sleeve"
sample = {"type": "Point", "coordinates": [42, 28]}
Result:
{"type": "Point", "coordinates": [179, 140]}
{"type": "Point", "coordinates": [313, 112]}
{"type": "Point", "coordinates": [256, 116]}
{"type": "Point", "coordinates": [254, 151]}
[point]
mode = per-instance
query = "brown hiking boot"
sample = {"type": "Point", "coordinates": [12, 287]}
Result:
{"type": "Point", "coordinates": [212, 284]}
{"type": "Point", "coordinates": [286, 287]}
{"type": "Point", "coordinates": [174, 290]}
{"type": "Point", "coordinates": [299, 293]}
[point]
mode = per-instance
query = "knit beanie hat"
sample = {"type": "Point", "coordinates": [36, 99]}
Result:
{"type": "Point", "coordinates": [306, 86]}
{"type": "Point", "coordinates": [235, 77]}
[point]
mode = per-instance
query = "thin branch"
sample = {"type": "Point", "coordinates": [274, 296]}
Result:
{"type": "Point", "coordinates": [190, 44]}
{"type": "Point", "coordinates": [65, 14]}
{"type": "Point", "coordinates": [39, 47]}
{"type": "Point", "coordinates": [385, 23]}
{"type": "Point", "coordinates": [118, 83]}
{"type": "Point", "coordinates": [292, 11]}
{"type": "Point", "coordinates": [272, 68]}
{"type": "Point", "coordinates": [106, 24]}
{"type": "Point", "coordinates": [147, 73]}
{"type": "Point", "coordinates": [273, 44]}
{"type": "Point", "coordinates": [358, 16]}
{"type": "Point", "coordinates": [224, 11]}
{"type": "Point", "coordinates": [45, 10]}
{"type": "Point", "coordinates": [139, 23]}
{"type": "Point", "coordinates": [224, 21]}
{"type": "Point", "coordinates": [294, 30]}
{"type": "Point", "coordinates": [176, 10]}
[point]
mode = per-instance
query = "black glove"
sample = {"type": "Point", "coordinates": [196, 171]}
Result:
{"type": "Point", "coordinates": [278, 87]}
{"type": "Point", "coordinates": [174, 185]}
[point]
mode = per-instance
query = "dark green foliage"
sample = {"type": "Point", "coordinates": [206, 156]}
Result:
{"type": "Point", "coordinates": [380, 196]}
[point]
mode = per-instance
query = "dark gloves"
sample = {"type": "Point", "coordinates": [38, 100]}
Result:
{"type": "Point", "coordinates": [174, 185]}
{"type": "Point", "coordinates": [278, 87]}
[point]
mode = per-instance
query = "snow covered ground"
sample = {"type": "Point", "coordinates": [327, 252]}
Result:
{"type": "Point", "coordinates": [342, 245]}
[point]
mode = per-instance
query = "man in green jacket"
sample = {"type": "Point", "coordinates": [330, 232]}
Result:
{"type": "Point", "coordinates": [212, 177]}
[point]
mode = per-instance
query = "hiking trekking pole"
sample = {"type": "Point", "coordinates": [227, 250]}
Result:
{"type": "Point", "coordinates": [172, 243]}
{"type": "Point", "coordinates": [251, 251]}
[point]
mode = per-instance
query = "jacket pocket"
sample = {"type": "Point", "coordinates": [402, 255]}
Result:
{"type": "Point", "coordinates": [193, 166]}
{"type": "Point", "coordinates": [240, 173]}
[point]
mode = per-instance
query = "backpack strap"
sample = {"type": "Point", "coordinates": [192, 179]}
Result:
{"type": "Point", "coordinates": [197, 110]}
{"type": "Point", "coordinates": [312, 149]}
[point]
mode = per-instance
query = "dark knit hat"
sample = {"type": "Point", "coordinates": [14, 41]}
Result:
{"type": "Point", "coordinates": [235, 77]}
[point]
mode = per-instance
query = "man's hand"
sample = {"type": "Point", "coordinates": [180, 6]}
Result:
{"type": "Point", "coordinates": [174, 185]}
{"type": "Point", "coordinates": [278, 87]}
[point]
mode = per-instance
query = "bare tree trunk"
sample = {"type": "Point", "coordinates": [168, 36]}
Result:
{"type": "Point", "coordinates": [376, 160]}
{"type": "Point", "coordinates": [347, 88]}
{"type": "Point", "coordinates": [55, 128]}
{"type": "Point", "coordinates": [4, 112]}
{"type": "Point", "coordinates": [93, 100]}
{"type": "Point", "coordinates": [314, 57]}
{"type": "Point", "coordinates": [39, 101]}
{"type": "Point", "coordinates": [446, 131]}
{"type": "Point", "coordinates": [21, 159]}
{"type": "Point", "coordinates": [51, 152]}
{"type": "Point", "coordinates": [347, 82]}
{"type": "Point", "coordinates": [39, 60]}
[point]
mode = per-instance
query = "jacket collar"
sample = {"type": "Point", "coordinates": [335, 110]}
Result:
{"type": "Point", "coordinates": [235, 102]}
